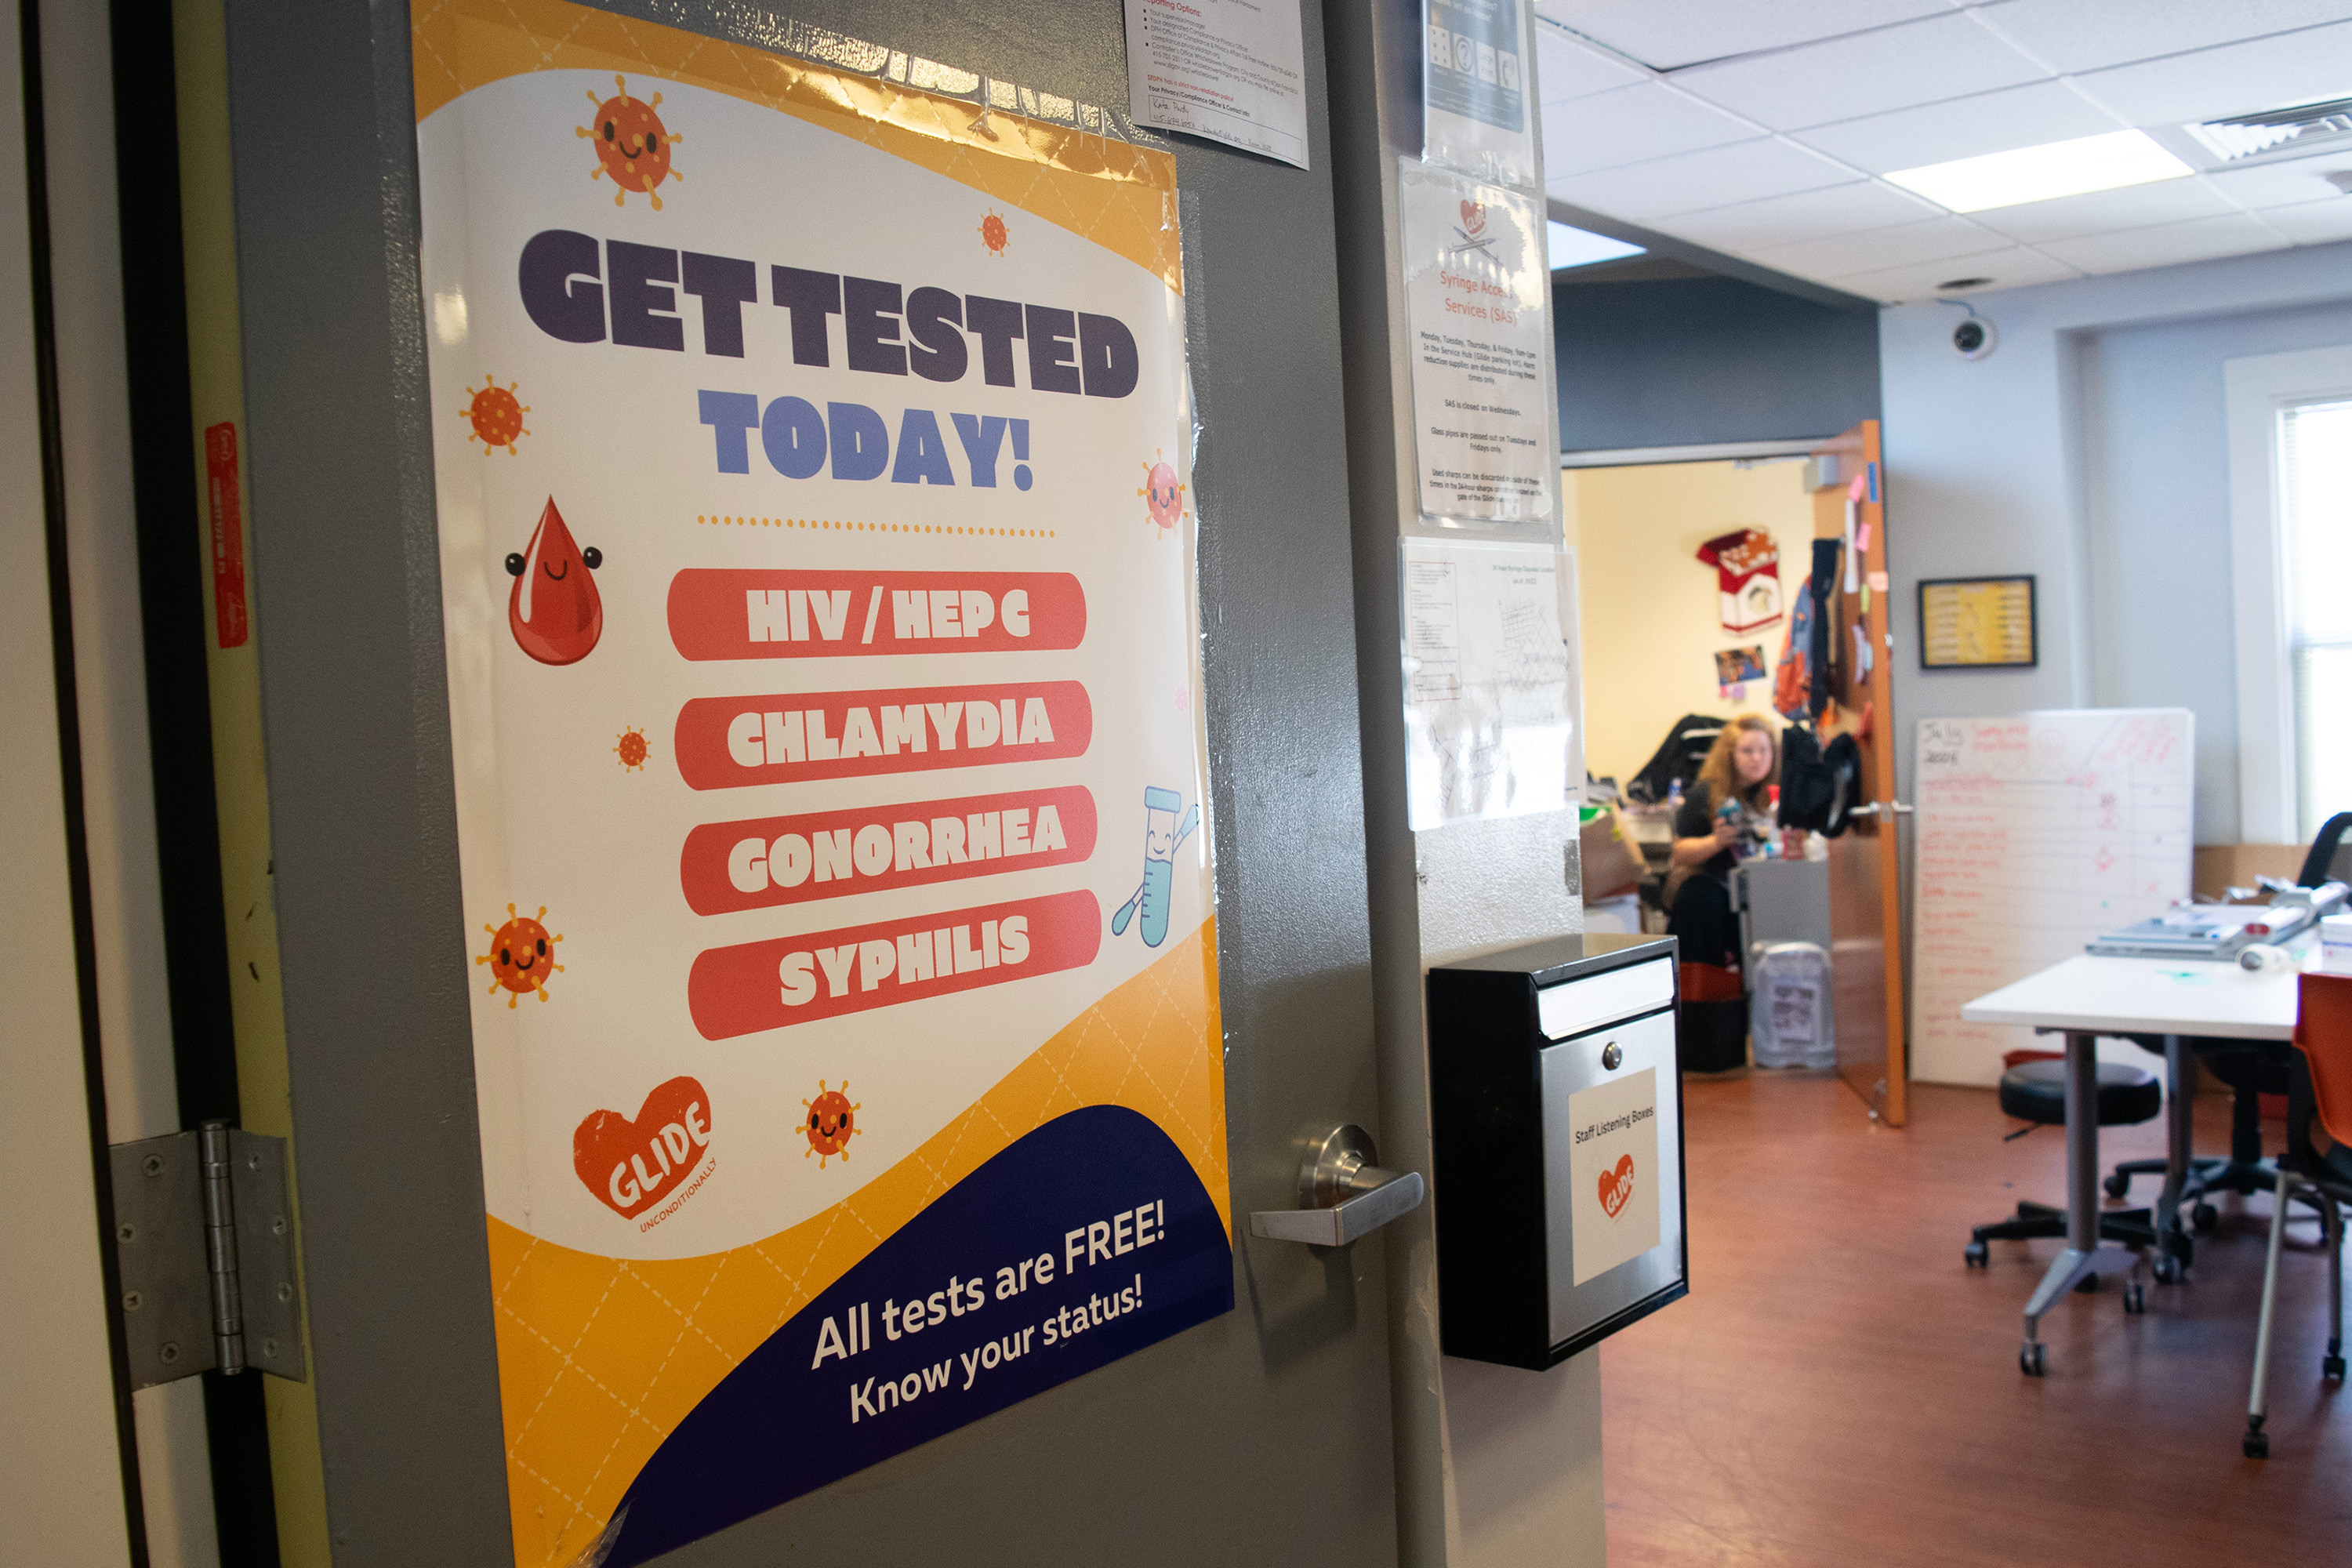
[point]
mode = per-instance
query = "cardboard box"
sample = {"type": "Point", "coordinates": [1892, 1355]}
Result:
{"type": "Point", "coordinates": [2219, 866]}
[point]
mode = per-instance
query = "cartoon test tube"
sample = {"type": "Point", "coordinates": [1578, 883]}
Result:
{"type": "Point", "coordinates": [1162, 834]}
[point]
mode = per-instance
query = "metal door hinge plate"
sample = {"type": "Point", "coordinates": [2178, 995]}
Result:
{"type": "Point", "coordinates": [203, 1241]}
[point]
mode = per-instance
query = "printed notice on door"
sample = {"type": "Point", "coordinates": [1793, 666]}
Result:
{"type": "Point", "coordinates": [1476, 285]}
{"type": "Point", "coordinates": [1612, 1172]}
{"type": "Point", "coordinates": [816, 555]}
{"type": "Point", "coordinates": [1489, 680]}
{"type": "Point", "coordinates": [1232, 71]}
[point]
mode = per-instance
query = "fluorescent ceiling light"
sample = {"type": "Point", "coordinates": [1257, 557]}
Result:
{"type": "Point", "coordinates": [1582, 247]}
{"type": "Point", "coordinates": [2042, 173]}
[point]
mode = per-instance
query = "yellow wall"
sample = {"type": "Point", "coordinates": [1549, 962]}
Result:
{"type": "Point", "coordinates": [1647, 606]}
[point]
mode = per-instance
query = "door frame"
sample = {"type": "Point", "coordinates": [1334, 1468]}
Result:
{"type": "Point", "coordinates": [1874, 727]}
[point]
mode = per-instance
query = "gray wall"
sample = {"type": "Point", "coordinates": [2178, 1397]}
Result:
{"type": "Point", "coordinates": [2157, 473]}
{"type": "Point", "coordinates": [1690, 361]}
{"type": "Point", "coordinates": [2089, 450]}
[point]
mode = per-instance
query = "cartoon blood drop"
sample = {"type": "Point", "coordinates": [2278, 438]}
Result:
{"type": "Point", "coordinates": [554, 607]}
{"type": "Point", "coordinates": [829, 1128]}
{"type": "Point", "coordinates": [632, 143]}
{"type": "Point", "coordinates": [521, 956]}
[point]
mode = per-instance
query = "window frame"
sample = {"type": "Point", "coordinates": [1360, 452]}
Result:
{"type": "Point", "coordinates": [2258, 388]}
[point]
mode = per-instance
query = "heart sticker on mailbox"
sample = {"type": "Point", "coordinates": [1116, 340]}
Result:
{"type": "Point", "coordinates": [1617, 1186]}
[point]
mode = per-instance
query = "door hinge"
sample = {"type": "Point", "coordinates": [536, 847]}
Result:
{"type": "Point", "coordinates": [203, 1241]}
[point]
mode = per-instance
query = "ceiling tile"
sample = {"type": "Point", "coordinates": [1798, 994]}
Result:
{"type": "Point", "coordinates": [1923, 61]}
{"type": "Point", "coordinates": [2197, 241]}
{"type": "Point", "coordinates": [2011, 269]}
{"type": "Point", "coordinates": [1809, 215]}
{"type": "Point", "coordinates": [1665, 36]}
{"type": "Point", "coordinates": [1932, 240]}
{"type": "Point", "coordinates": [1708, 178]}
{"type": "Point", "coordinates": [1632, 125]}
{"type": "Point", "coordinates": [2314, 222]}
{"type": "Point", "coordinates": [2087, 34]}
{"type": "Point", "coordinates": [2280, 184]}
{"type": "Point", "coordinates": [2014, 117]}
{"type": "Point", "coordinates": [2239, 79]}
{"type": "Point", "coordinates": [1566, 69]}
{"type": "Point", "coordinates": [2105, 211]}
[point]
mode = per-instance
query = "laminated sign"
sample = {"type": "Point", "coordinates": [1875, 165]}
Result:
{"type": "Point", "coordinates": [812, 455]}
{"type": "Point", "coordinates": [1613, 1173]}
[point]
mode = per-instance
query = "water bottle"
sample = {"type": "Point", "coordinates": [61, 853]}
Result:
{"type": "Point", "coordinates": [1674, 795]}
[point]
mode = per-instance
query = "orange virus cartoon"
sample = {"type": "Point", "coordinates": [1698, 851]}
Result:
{"type": "Point", "coordinates": [631, 144]}
{"type": "Point", "coordinates": [829, 1118]}
{"type": "Point", "coordinates": [994, 234]}
{"type": "Point", "coordinates": [1163, 497]}
{"type": "Point", "coordinates": [633, 749]}
{"type": "Point", "coordinates": [521, 956]}
{"type": "Point", "coordinates": [496, 414]}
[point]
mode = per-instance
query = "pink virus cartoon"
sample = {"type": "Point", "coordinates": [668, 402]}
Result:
{"type": "Point", "coordinates": [1163, 495]}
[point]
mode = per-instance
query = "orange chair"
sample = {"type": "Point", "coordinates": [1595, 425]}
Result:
{"type": "Point", "coordinates": [2320, 1092]}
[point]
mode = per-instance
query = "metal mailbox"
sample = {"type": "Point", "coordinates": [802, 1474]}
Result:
{"type": "Point", "coordinates": [1556, 1096]}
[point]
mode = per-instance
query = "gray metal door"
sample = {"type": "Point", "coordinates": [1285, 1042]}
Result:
{"type": "Point", "coordinates": [1261, 1437]}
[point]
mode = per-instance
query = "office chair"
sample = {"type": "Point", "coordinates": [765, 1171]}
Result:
{"type": "Point", "coordinates": [2322, 1091]}
{"type": "Point", "coordinates": [2035, 1091]}
{"type": "Point", "coordinates": [2250, 1071]}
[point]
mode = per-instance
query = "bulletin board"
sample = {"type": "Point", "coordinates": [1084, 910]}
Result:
{"type": "Point", "coordinates": [1978, 623]}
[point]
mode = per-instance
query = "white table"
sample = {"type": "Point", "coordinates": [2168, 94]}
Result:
{"type": "Point", "coordinates": [2087, 997]}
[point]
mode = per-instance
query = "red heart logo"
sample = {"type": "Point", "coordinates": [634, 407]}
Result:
{"type": "Point", "coordinates": [631, 1165]}
{"type": "Point", "coordinates": [1473, 215]}
{"type": "Point", "coordinates": [1617, 1186]}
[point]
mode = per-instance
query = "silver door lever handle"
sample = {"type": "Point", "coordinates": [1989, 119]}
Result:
{"type": "Point", "coordinates": [1342, 1194]}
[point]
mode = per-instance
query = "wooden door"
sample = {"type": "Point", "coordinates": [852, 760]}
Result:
{"type": "Point", "coordinates": [1865, 905]}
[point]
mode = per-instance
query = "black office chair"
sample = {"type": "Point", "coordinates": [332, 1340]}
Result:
{"type": "Point", "coordinates": [2035, 1091]}
{"type": "Point", "coordinates": [2252, 1069]}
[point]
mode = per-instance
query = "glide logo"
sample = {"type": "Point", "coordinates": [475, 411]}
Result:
{"type": "Point", "coordinates": [631, 1165]}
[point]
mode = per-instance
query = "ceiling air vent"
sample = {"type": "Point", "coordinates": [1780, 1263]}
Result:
{"type": "Point", "coordinates": [2282, 133]}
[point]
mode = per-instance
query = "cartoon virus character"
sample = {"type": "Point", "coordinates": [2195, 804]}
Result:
{"type": "Point", "coordinates": [521, 956]}
{"type": "Point", "coordinates": [554, 608]}
{"type": "Point", "coordinates": [1163, 497]}
{"type": "Point", "coordinates": [633, 145]}
{"type": "Point", "coordinates": [994, 234]}
{"type": "Point", "coordinates": [830, 1127]}
{"type": "Point", "coordinates": [496, 414]}
{"type": "Point", "coordinates": [633, 750]}
{"type": "Point", "coordinates": [1162, 834]}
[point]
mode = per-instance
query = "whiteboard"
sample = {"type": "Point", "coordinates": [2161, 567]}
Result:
{"type": "Point", "coordinates": [2036, 833]}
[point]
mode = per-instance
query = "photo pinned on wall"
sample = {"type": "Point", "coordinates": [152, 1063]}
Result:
{"type": "Point", "coordinates": [1734, 667]}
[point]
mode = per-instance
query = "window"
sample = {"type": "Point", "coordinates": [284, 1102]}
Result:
{"type": "Point", "coordinates": [2315, 525]}
{"type": "Point", "coordinates": [2289, 428]}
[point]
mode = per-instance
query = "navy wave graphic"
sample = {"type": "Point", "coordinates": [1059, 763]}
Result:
{"type": "Point", "coordinates": [777, 1426]}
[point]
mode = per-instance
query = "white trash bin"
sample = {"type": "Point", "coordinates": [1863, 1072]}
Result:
{"type": "Point", "coordinates": [1791, 1015]}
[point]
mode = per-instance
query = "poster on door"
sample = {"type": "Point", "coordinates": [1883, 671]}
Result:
{"type": "Point", "coordinates": [812, 452]}
{"type": "Point", "coordinates": [1612, 1172]}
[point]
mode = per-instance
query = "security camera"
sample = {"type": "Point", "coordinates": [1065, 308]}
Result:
{"type": "Point", "coordinates": [1974, 338]}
